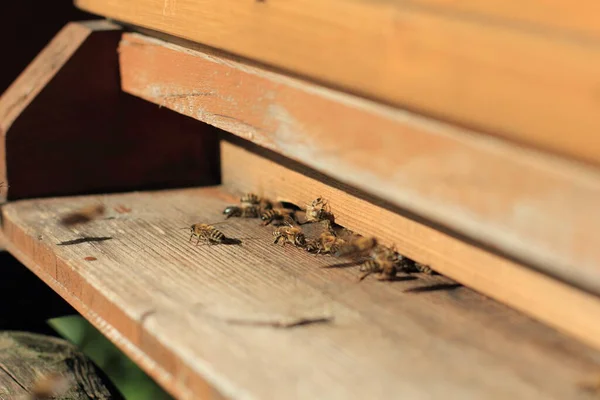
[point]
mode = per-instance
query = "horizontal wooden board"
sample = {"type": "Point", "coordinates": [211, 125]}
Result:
{"type": "Point", "coordinates": [532, 206]}
{"type": "Point", "coordinates": [527, 85]}
{"type": "Point", "coordinates": [550, 17]}
{"type": "Point", "coordinates": [186, 312]}
{"type": "Point", "coordinates": [549, 300]}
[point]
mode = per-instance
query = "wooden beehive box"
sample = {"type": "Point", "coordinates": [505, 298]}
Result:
{"type": "Point", "coordinates": [466, 139]}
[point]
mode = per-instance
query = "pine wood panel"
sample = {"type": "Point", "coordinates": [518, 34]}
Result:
{"type": "Point", "coordinates": [549, 300]}
{"type": "Point", "coordinates": [176, 308]}
{"type": "Point", "coordinates": [521, 83]}
{"type": "Point", "coordinates": [532, 206]}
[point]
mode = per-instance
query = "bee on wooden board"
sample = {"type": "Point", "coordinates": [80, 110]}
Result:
{"type": "Point", "coordinates": [50, 386]}
{"type": "Point", "coordinates": [413, 266]}
{"type": "Point", "coordinates": [318, 210]}
{"type": "Point", "coordinates": [278, 216]}
{"type": "Point", "coordinates": [326, 243]}
{"type": "Point", "coordinates": [85, 214]}
{"type": "Point", "coordinates": [252, 206]}
{"type": "Point", "coordinates": [250, 211]}
{"type": "Point", "coordinates": [385, 261]}
{"type": "Point", "coordinates": [207, 233]}
{"type": "Point", "coordinates": [359, 246]}
{"type": "Point", "coordinates": [289, 234]}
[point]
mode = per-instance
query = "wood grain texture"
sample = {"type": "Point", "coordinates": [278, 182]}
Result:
{"type": "Point", "coordinates": [546, 299]}
{"type": "Point", "coordinates": [526, 85]}
{"type": "Point", "coordinates": [550, 17]}
{"type": "Point", "coordinates": [178, 306]}
{"type": "Point", "coordinates": [67, 128]}
{"type": "Point", "coordinates": [27, 358]}
{"type": "Point", "coordinates": [532, 206]}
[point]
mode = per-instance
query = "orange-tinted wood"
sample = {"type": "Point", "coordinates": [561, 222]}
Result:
{"type": "Point", "coordinates": [203, 320]}
{"type": "Point", "coordinates": [529, 205]}
{"type": "Point", "coordinates": [516, 81]}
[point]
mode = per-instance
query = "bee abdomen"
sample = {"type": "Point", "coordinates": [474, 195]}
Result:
{"type": "Point", "coordinates": [370, 266]}
{"type": "Point", "coordinates": [250, 198]}
{"type": "Point", "coordinates": [216, 236]}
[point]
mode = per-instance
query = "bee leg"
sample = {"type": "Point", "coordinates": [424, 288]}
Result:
{"type": "Point", "coordinates": [191, 236]}
{"type": "Point", "coordinates": [198, 241]}
{"type": "Point", "coordinates": [363, 276]}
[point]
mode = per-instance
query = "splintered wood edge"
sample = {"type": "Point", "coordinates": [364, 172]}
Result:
{"type": "Point", "coordinates": [422, 58]}
{"type": "Point", "coordinates": [123, 330]}
{"type": "Point", "coordinates": [491, 191]}
{"type": "Point", "coordinates": [548, 300]}
{"type": "Point", "coordinates": [22, 92]}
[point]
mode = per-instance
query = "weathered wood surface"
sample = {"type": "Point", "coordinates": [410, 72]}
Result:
{"type": "Point", "coordinates": [28, 361]}
{"type": "Point", "coordinates": [540, 296]}
{"type": "Point", "coordinates": [531, 206]}
{"type": "Point", "coordinates": [185, 312]}
{"type": "Point", "coordinates": [533, 86]}
{"type": "Point", "coordinates": [67, 128]}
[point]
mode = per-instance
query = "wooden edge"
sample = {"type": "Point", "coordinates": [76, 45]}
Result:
{"type": "Point", "coordinates": [548, 300]}
{"type": "Point", "coordinates": [124, 331]}
{"type": "Point", "coordinates": [67, 113]}
{"type": "Point", "coordinates": [532, 206]}
{"type": "Point", "coordinates": [522, 84]}
{"type": "Point", "coordinates": [41, 70]}
{"type": "Point", "coordinates": [22, 92]}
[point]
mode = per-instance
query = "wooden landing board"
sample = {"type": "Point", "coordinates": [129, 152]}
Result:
{"type": "Point", "coordinates": [533, 86]}
{"type": "Point", "coordinates": [547, 299]}
{"type": "Point", "coordinates": [182, 311]}
{"type": "Point", "coordinates": [532, 206]}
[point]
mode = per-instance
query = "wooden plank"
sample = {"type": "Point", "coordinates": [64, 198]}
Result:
{"type": "Point", "coordinates": [523, 84]}
{"type": "Point", "coordinates": [178, 307]}
{"type": "Point", "coordinates": [529, 205]}
{"type": "Point", "coordinates": [546, 299]}
{"type": "Point", "coordinates": [67, 116]}
{"type": "Point", "coordinates": [551, 16]}
{"type": "Point", "coordinates": [34, 366]}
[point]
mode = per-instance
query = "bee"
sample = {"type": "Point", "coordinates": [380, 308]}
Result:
{"type": "Point", "coordinates": [387, 269]}
{"type": "Point", "coordinates": [385, 261]}
{"type": "Point", "coordinates": [318, 210]}
{"type": "Point", "coordinates": [50, 386]}
{"type": "Point", "coordinates": [325, 244]}
{"type": "Point", "coordinates": [251, 199]}
{"type": "Point", "coordinates": [278, 216]}
{"type": "Point", "coordinates": [85, 214]}
{"type": "Point", "coordinates": [357, 247]}
{"type": "Point", "coordinates": [252, 211]}
{"type": "Point", "coordinates": [289, 234]}
{"type": "Point", "coordinates": [413, 266]}
{"type": "Point", "coordinates": [207, 233]}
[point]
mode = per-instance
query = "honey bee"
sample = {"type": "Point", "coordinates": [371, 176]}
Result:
{"type": "Point", "coordinates": [85, 214]}
{"type": "Point", "coordinates": [289, 234]}
{"type": "Point", "coordinates": [413, 266]}
{"type": "Point", "coordinates": [251, 199]}
{"type": "Point", "coordinates": [357, 247]}
{"type": "Point", "coordinates": [208, 234]}
{"type": "Point", "coordinates": [385, 261]}
{"type": "Point", "coordinates": [252, 211]}
{"type": "Point", "coordinates": [326, 243]}
{"type": "Point", "coordinates": [278, 216]}
{"type": "Point", "coordinates": [318, 210]}
{"type": "Point", "coordinates": [50, 386]}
